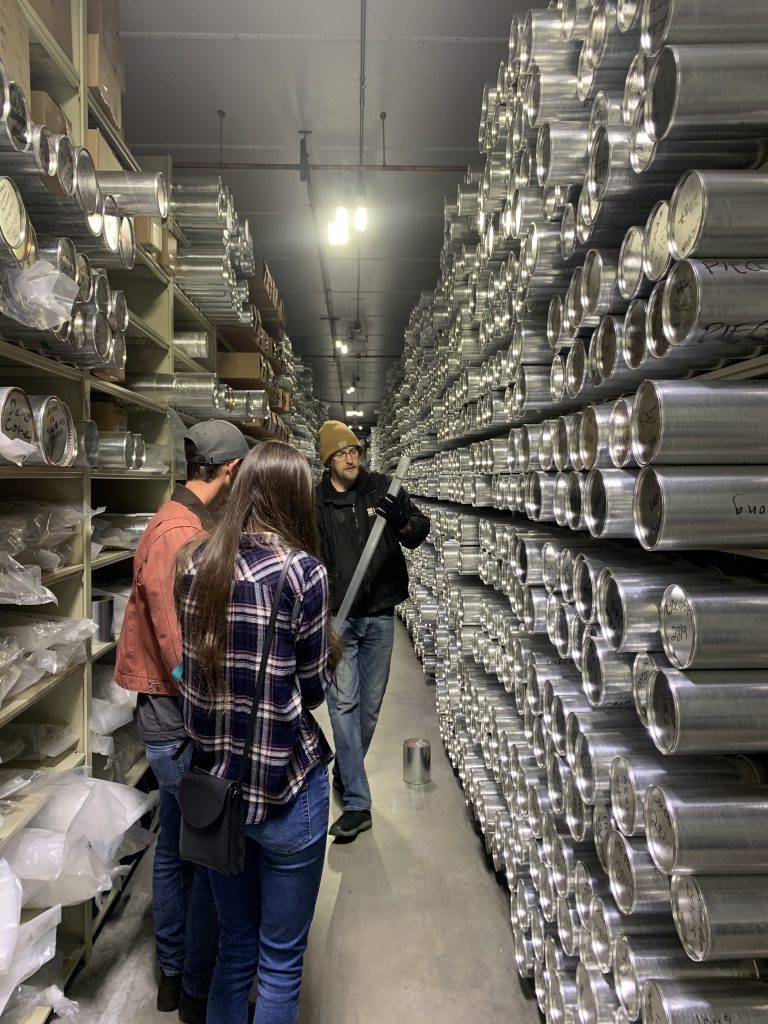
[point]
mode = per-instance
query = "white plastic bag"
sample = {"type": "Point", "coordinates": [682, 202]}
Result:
{"type": "Point", "coordinates": [106, 717]}
{"type": "Point", "coordinates": [38, 296]}
{"type": "Point", "coordinates": [10, 913]}
{"type": "Point", "coordinates": [18, 780]}
{"type": "Point", "coordinates": [56, 868]}
{"type": "Point", "coordinates": [35, 946]}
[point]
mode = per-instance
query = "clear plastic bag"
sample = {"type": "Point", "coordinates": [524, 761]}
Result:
{"type": "Point", "coordinates": [56, 868]}
{"type": "Point", "coordinates": [39, 740]}
{"type": "Point", "coordinates": [38, 634]}
{"type": "Point", "coordinates": [18, 780]}
{"type": "Point", "coordinates": [26, 997]}
{"type": "Point", "coordinates": [20, 584]}
{"type": "Point", "coordinates": [11, 665]}
{"type": "Point", "coordinates": [10, 913]}
{"type": "Point", "coordinates": [35, 946]}
{"type": "Point", "coordinates": [38, 296]}
{"type": "Point", "coordinates": [15, 450]}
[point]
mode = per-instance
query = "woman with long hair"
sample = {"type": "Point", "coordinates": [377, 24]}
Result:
{"type": "Point", "coordinates": [225, 589]}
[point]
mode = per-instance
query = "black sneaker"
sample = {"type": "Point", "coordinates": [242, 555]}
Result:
{"type": "Point", "coordinates": [168, 992]}
{"type": "Point", "coordinates": [351, 824]}
{"type": "Point", "coordinates": [192, 1010]}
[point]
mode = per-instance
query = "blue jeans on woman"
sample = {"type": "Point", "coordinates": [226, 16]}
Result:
{"type": "Point", "coordinates": [354, 700]}
{"type": "Point", "coordinates": [186, 930]}
{"type": "Point", "coordinates": [265, 912]}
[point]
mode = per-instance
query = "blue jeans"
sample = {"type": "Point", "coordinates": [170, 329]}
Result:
{"type": "Point", "coordinates": [355, 697]}
{"type": "Point", "coordinates": [265, 912]}
{"type": "Point", "coordinates": [186, 928]}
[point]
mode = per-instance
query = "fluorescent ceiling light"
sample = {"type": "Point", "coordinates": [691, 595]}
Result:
{"type": "Point", "coordinates": [361, 218]}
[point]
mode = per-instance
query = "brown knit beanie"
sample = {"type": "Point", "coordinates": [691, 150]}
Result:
{"type": "Point", "coordinates": [335, 435]}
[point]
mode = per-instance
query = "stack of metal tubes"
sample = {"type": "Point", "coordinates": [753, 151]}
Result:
{"type": "Point", "coordinates": [212, 268]}
{"type": "Point", "coordinates": [60, 210]}
{"type": "Point", "coordinates": [578, 394]}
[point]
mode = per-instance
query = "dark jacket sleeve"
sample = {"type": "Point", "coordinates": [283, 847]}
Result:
{"type": "Point", "coordinates": [420, 524]}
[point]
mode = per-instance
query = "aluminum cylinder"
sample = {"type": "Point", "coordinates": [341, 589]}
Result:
{"type": "Point", "coordinates": [688, 507]}
{"type": "Point", "coordinates": [703, 627]}
{"type": "Point", "coordinates": [719, 214]}
{"type": "Point", "coordinates": [714, 91]}
{"type": "Point", "coordinates": [721, 917]}
{"type": "Point", "coordinates": [712, 829]}
{"type": "Point", "coordinates": [701, 712]}
{"type": "Point", "coordinates": [689, 1002]}
{"type": "Point", "coordinates": [638, 959]}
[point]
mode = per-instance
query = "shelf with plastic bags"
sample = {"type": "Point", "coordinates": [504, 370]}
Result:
{"type": "Point", "coordinates": [13, 706]}
{"type": "Point", "coordinates": [26, 807]}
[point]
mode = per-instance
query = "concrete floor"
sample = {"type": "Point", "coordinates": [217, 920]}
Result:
{"type": "Point", "coordinates": [411, 925]}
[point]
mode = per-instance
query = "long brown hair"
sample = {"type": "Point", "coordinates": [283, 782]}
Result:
{"type": "Point", "coordinates": [272, 493]}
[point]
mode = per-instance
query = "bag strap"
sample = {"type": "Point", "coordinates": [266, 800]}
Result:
{"type": "Point", "coordinates": [261, 677]}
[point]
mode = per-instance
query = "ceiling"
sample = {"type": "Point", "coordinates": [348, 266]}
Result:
{"type": "Point", "coordinates": [278, 67]}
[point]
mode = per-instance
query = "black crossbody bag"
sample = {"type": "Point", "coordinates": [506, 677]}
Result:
{"type": "Point", "coordinates": [213, 809]}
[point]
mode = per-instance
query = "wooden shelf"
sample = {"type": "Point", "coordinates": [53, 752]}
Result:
{"type": "Point", "coordinates": [147, 260]}
{"type": "Point", "coordinates": [47, 367]}
{"type": "Point", "coordinates": [39, 473]}
{"type": "Point", "coordinates": [26, 807]}
{"type": "Point", "coordinates": [138, 328]}
{"type": "Point", "coordinates": [51, 67]}
{"type": "Point", "coordinates": [12, 707]}
{"type": "Point", "coordinates": [109, 558]}
{"type": "Point", "coordinates": [100, 649]}
{"type": "Point", "coordinates": [123, 396]}
{"type": "Point", "coordinates": [137, 771]}
{"type": "Point", "coordinates": [191, 310]}
{"type": "Point", "coordinates": [132, 474]}
{"type": "Point", "coordinates": [56, 575]}
{"type": "Point", "coordinates": [106, 126]}
{"type": "Point", "coordinates": [186, 363]}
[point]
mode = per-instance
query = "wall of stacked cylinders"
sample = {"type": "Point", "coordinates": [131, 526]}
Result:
{"type": "Point", "coordinates": [578, 396]}
{"type": "Point", "coordinates": [88, 227]}
{"type": "Point", "coordinates": [211, 268]}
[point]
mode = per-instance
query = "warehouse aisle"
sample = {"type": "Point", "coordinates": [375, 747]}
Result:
{"type": "Point", "coordinates": [411, 924]}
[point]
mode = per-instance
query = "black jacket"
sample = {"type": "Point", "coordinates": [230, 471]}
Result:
{"type": "Point", "coordinates": [345, 519]}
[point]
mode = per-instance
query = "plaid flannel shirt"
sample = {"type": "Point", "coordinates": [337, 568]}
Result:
{"type": "Point", "coordinates": [288, 742]}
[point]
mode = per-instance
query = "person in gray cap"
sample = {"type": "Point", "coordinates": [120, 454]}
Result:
{"type": "Point", "coordinates": [149, 649]}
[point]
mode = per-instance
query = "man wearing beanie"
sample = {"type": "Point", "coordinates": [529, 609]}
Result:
{"type": "Point", "coordinates": [348, 498]}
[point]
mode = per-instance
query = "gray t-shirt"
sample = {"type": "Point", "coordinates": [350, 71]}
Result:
{"type": "Point", "coordinates": [159, 718]}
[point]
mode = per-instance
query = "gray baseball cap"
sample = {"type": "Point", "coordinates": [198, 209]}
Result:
{"type": "Point", "coordinates": [217, 442]}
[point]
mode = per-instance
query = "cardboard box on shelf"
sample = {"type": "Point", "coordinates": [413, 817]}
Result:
{"type": "Point", "coordinates": [168, 250]}
{"type": "Point", "coordinates": [104, 16]}
{"type": "Point", "coordinates": [286, 401]}
{"type": "Point", "coordinates": [14, 43]}
{"type": "Point", "coordinates": [56, 15]}
{"type": "Point", "coordinates": [108, 416]}
{"type": "Point", "coordinates": [101, 151]}
{"type": "Point", "coordinates": [149, 233]}
{"type": "Point", "coordinates": [45, 110]}
{"type": "Point", "coordinates": [243, 366]}
{"type": "Point", "coordinates": [105, 78]}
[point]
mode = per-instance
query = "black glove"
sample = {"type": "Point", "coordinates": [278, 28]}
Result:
{"type": "Point", "coordinates": [393, 510]}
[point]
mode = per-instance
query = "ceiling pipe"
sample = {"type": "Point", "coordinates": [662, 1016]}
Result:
{"type": "Point", "coordinates": [306, 175]}
{"type": "Point", "coordinates": [361, 138]}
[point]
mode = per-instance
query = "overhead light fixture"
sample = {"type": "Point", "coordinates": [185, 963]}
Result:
{"type": "Point", "coordinates": [344, 348]}
{"type": "Point", "coordinates": [338, 343]}
{"type": "Point", "coordinates": [361, 217]}
{"type": "Point", "coordinates": [338, 230]}
{"type": "Point", "coordinates": [355, 412]}
{"type": "Point", "coordinates": [351, 389]}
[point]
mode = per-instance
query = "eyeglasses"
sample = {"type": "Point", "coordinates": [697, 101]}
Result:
{"type": "Point", "coordinates": [346, 452]}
